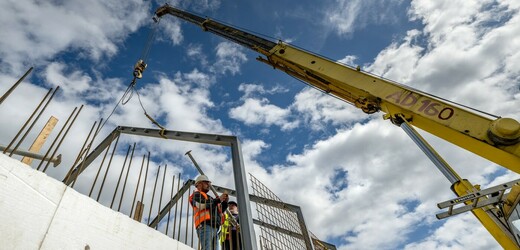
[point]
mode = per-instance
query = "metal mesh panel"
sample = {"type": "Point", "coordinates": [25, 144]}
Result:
{"type": "Point", "coordinates": [269, 238]}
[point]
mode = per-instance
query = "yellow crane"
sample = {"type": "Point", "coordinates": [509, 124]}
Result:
{"type": "Point", "coordinates": [491, 137]}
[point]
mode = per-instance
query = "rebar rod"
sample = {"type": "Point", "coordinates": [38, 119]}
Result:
{"type": "Point", "coordinates": [4, 96]}
{"type": "Point", "coordinates": [81, 151]}
{"type": "Point", "coordinates": [170, 210]}
{"type": "Point", "coordinates": [126, 178]}
{"type": "Point", "coordinates": [137, 186]}
{"type": "Point", "coordinates": [187, 218]}
{"type": "Point", "coordinates": [58, 136]}
{"type": "Point", "coordinates": [62, 138]}
{"type": "Point", "coordinates": [153, 194]}
{"type": "Point", "coordinates": [100, 165]}
{"type": "Point", "coordinates": [160, 197]}
{"type": "Point", "coordinates": [56, 160]}
{"type": "Point", "coordinates": [89, 146]}
{"type": "Point", "coordinates": [30, 118]}
{"type": "Point", "coordinates": [192, 228]}
{"type": "Point", "coordinates": [108, 167]}
{"type": "Point", "coordinates": [180, 220]}
{"type": "Point", "coordinates": [120, 175]}
{"type": "Point", "coordinates": [175, 214]}
{"type": "Point", "coordinates": [145, 178]}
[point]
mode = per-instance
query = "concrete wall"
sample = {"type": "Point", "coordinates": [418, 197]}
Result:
{"type": "Point", "coordinates": [39, 212]}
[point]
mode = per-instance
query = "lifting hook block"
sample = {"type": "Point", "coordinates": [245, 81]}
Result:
{"type": "Point", "coordinates": [139, 67]}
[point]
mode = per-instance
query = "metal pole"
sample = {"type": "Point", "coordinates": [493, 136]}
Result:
{"type": "Point", "coordinates": [30, 117]}
{"type": "Point", "coordinates": [126, 178]}
{"type": "Point", "coordinates": [187, 218]}
{"type": "Point", "coordinates": [153, 194]}
{"type": "Point", "coordinates": [62, 138]}
{"type": "Point", "coordinates": [82, 166]}
{"type": "Point", "coordinates": [82, 151]}
{"type": "Point", "coordinates": [120, 175]}
{"type": "Point", "coordinates": [245, 216]}
{"type": "Point", "coordinates": [175, 214]}
{"type": "Point", "coordinates": [437, 160]}
{"type": "Point", "coordinates": [162, 189]}
{"type": "Point", "coordinates": [180, 220]}
{"type": "Point", "coordinates": [56, 160]}
{"type": "Point", "coordinates": [108, 167]}
{"type": "Point", "coordinates": [145, 178]}
{"type": "Point", "coordinates": [137, 186]}
{"type": "Point", "coordinates": [57, 137]}
{"type": "Point", "coordinates": [170, 210]}
{"type": "Point", "coordinates": [15, 85]}
{"type": "Point", "coordinates": [100, 165]}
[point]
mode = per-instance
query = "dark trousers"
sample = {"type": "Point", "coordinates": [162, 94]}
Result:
{"type": "Point", "coordinates": [232, 242]}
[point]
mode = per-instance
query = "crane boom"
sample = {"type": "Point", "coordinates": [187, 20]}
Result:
{"type": "Point", "coordinates": [495, 139]}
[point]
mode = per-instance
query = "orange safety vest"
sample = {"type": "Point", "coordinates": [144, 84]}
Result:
{"type": "Point", "coordinates": [200, 215]}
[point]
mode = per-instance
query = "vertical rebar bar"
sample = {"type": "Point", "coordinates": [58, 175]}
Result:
{"type": "Point", "coordinates": [108, 167]}
{"type": "Point", "coordinates": [145, 178]}
{"type": "Point", "coordinates": [153, 195]}
{"type": "Point", "coordinates": [160, 197]}
{"type": "Point", "coordinates": [120, 175]}
{"type": "Point", "coordinates": [30, 118]}
{"type": "Point", "coordinates": [170, 210]}
{"type": "Point", "coordinates": [187, 217]}
{"type": "Point", "coordinates": [4, 96]}
{"type": "Point", "coordinates": [80, 152]}
{"type": "Point", "coordinates": [101, 165]}
{"type": "Point", "coordinates": [192, 226]}
{"type": "Point", "coordinates": [126, 178]}
{"type": "Point", "coordinates": [180, 219]}
{"type": "Point", "coordinates": [62, 138]}
{"type": "Point", "coordinates": [89, 146]}
{"type": "Point", "coordinates": [175, 214]}
{"type": "Point", "coordinates": [137, 186]}
{"type": "Point", "coordinates": [57, 137]}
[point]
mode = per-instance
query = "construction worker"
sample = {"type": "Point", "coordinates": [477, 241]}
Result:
{"type": "Point", "coordinates": [230, 234]}
{"type": "Point", "coordinates": [207, 213]}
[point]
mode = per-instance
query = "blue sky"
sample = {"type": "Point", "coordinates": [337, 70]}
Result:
{"type": "Point", "coordinates": [362, 184]}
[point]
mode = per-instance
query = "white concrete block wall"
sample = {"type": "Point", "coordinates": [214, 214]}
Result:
{"type": "Point", "coordinates": [39, 212]}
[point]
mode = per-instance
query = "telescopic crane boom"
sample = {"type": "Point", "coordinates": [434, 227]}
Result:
{"type": "Point", "coordinates": [495, 139]}
{"type": "Point", "coordinates": [491, 137]}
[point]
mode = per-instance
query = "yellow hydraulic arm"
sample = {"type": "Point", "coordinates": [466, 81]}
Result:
{"type": "Point", "coordinates": [493, 138]}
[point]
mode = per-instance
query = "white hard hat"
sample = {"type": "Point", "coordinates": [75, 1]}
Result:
{"type": "Point", "coordinates": [201, 178]}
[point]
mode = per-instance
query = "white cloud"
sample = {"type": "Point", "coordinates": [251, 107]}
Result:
{"type": "Point", "coordinates": [345, 17]}
{"type": "Point", "coordinates": [230, 57]}
{"type": "Point", "coordinates": [171, 30]}
{"type": "Point", "coordinates": [348, 60]}
{"type": "Point", "coordinates": [461, 232]}
{"type": "Point", "coordinates": [31, 27]}
{"type": "Point", "coordinates": [194, 52]}
{"type": "Point", "coordinates": [318, 109]}
{"type": "Point", "coordinates": [253, 89]}
{"type": "Point", "coordinates": [260, 111]}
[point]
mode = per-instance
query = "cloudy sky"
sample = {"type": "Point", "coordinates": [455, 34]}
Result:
{"type": "Point", "coordinates": [360, 181]}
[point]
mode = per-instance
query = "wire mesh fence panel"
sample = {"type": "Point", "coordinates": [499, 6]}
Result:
{"type": "Point", "coordinates": [286, 221]}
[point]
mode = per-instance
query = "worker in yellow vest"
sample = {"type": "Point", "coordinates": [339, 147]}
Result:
{"type": "Point", "coordinates": [229, 233]}
{"type": "Point", "coordinates": [207, 213]}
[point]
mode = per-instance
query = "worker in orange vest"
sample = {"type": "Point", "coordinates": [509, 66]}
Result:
{"type": "Point", "coordinates": [207, 213]}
